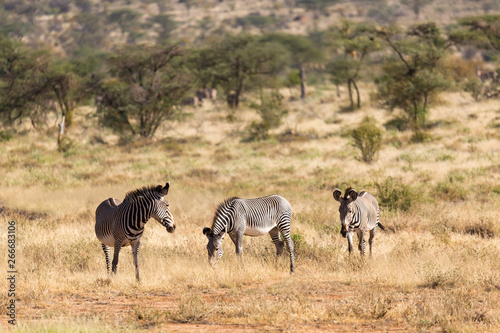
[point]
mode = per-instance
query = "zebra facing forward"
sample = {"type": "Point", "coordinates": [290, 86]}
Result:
{"type": "Point", "coordinates": [121, 224]}
{"type": "Point", "coordinates": [358, 213]}
{"type": "Point", "coordinates": [251, 217]}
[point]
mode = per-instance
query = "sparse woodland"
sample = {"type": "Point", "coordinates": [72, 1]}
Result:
{"type": "Point", "coordinates": [227, 98]}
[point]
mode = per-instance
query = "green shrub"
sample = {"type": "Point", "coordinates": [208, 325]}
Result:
{"type": "Point", "coordinates": [398, 123]}
{"type": "Point", "coordinates": [475, 87]}
{"type": "Point", "coordinates": [496, 189]}
{"type": "Point", "coordinates": [367, 137]}
{"type": "Point", "coordinates": [495, 123]}
{"type": "Point", "coordinates": [394, 195]}
{"type": "Point", "coordinates": [5, 136]}
{"type": "Point", "coordinates": [450, 191]}
{"type": "Point", "coordinates": [298, 242]}
{"type": "Point", "coordinates": [271, 112]}
{"type": "Point", "coordinates": [420, 137]}
{"type": "Point", "coordinates": [66, 145]}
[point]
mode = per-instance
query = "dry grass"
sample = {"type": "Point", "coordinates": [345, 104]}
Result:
{"type": "Point", "coordinates": [437, 267]}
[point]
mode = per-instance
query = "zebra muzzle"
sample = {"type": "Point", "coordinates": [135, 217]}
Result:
{"type": "Point", "coordinates": [343, 231]}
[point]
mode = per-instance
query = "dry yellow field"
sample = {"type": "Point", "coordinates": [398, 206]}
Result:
{"type": "Point", "coordinates": [435, 268]}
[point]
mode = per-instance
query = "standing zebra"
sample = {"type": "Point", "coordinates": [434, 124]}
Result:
{"type": "Point", "coordinates": [121, 224]}
{"type": "Point", "coordinates": [358, 213]}
{"type": "Point", "coordinates": [251, 217]}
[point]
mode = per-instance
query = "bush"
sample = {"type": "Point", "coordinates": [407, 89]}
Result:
{"type": "Point", "coordinates": [421, 137]}
{"type": "Point", "coordinates": [475, 87]}
{"type": "Point", "coordinates": [271, 112]}
{"type": "Point", "coordinates": [298, 243]}
{"type": "Point", "coordinates": [450, 191]}
{"type": "Point", "coordinates": [368, 138]}
{"type": "Point", "coordinates": [5, 136]}
{"type": "Point", "coordinates": [394, 195]}
{"type": "Point", "coordinates": [398, 123]}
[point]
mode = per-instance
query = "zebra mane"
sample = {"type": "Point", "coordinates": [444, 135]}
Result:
{"type": "Point", "coordinates": [347, 190]}
{"type": "Point", "coordinates": [146, 191]}
{"type": "Point", "coordinates": [221, 207]}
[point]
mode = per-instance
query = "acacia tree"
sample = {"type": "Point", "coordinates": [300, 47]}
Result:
{"type": "Point", "coordinates": [483, 33]}
{"type": "Point", "coordinates": [19, 71]}
{"type": "Point", "coordinates": [352, 43]}
{"type": "Point", "coordinates": [147, 84]}
{"type": "Point", "coordinates": [303, 54]}
{"type": "Point", "coordinates": [167, 25]}
{"type": "Point", "coordinates": [64, 85]}
{"type": "Point", "coordinates": [31, 81]}
{"type": "Point", "coordinates": [482, 30]}
{"type": "Point", "coordinates": [412, 79]}
{"type": "Point", "coordinates": [236, 61]}
{"type": "Point", "coordinates": [125, 18]}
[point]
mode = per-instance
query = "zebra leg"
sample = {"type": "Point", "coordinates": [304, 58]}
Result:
{"type": "Point", "coordinates": [105, 248]}
{"type": "Point", "coordinates": [238, 243]}
{"type": "Point", "coordinates": [289, 244]}
{"type": "Point", "coordinates": [275, 236]}
{"type": "Point", "coordinates": [285, 232]}
{"type": "Point", "coordinates": [118, 247]}
{"type": "Point", "coordinates": [349, 241]}
{"type": "Point", "coordinates": [370, 240]}
{"type": "Point", "coordinates": [135, 252]}
{"type": "Point", "coordinates": [362, 244]}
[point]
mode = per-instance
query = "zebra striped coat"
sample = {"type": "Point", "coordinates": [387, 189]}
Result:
{"type": "Point", "coordinates": [121, 224]}
{"type": "Point", "coordinates": [252, 217]}
{"type": "Point", "coordinates": [358, 213]}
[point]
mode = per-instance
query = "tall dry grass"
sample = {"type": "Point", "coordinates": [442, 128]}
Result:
{"type": "Point", "coordinates": [437, 267]}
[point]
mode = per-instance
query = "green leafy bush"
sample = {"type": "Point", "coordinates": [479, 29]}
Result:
{"type": "Point", "coordinates": [367, 137]}
{"type": "Point", "coordinates": [5, 136]}
{"type": "Point", "coordinates": [394, 195]}
{"type": "Point", "coordinates": [271, 112]}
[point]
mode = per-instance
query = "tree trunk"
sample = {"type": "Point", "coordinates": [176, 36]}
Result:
{"type": "Point", "coordinates": [350, 93]}
{"type": "Point", "coordinates": [303, 83]}
{"type": "Point", "coordinates": [357, 93]}
{"type": "Point", "coordinates": [61, 131]}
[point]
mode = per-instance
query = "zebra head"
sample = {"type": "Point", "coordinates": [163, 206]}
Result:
{"type": "Point", "coordinates": [346, 209]}
{"type": "Point", "coordinates": [161, 210]}
{"type": "Point", "coordinates": [214, 246]}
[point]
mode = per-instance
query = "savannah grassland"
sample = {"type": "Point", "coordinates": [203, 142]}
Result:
{"type": "Point", "coordinates": [435, 268]}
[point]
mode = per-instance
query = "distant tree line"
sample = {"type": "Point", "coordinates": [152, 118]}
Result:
{"type": "Point", "coordinates": [138, 87]}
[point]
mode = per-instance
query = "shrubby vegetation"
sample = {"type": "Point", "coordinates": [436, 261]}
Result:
{"type": "Point", "coordinates": [137, 87]}
{"type": "Point", "coordinates": [126, 91]}
{"type": "Point", "coordinates": [367, 137]}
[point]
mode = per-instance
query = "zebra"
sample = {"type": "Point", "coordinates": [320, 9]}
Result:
{"type": "Point", "coordinates": [251, 217]}
{"type": "Point", "coordinates": [120, 224]}
{"type": "Point", "coordinates": [360, 213]}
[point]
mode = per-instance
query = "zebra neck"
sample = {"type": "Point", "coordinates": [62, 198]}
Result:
{"type": "Point", "coordinates": [224, 220]}
{"type": "Point", "coordinates": [139, 212]}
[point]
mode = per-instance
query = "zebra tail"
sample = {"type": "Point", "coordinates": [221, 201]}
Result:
{"type": "Point", "coordinates": [381, 226]}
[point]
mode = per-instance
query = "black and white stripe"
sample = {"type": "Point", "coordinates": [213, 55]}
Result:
{"type": "Point", "coordinates": [120, 224]}
{"type": "Point", "coordinates": [358, 213]}
{"type": "Point", "coordinates": [252, 217]}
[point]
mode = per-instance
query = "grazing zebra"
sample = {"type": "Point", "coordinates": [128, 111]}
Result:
{"type": "Point", "coordinates": [358, 213]}
{"type": "Point", "coordinates": [121, 224]}
{"type": "Point", "coordinates": [251, 217]}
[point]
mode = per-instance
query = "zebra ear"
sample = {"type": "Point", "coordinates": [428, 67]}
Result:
{"type": "Point", "coordinates": [164, 190]}
{"type": "Point", "coordinates": [206, 231]}
{"type": "Point", "coordinates": [353, 195]}
{"type": "Point", "coordinates": [337, 194]}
